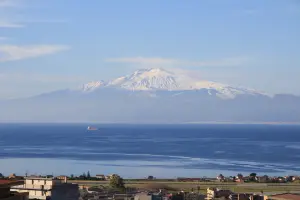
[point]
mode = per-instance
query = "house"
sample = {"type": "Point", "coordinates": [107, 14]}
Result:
{"type": "Point", "coordinates": [221, 178]}
{"type": "Point", "coordinates": [194, 196]}
{"type": "Point", "coordinates": [239, 178]}
{"type": "Point", "coordinates": [213, 193]}
{"type": "Point", "coordinates": [45, 188]}
{"type": "Point", "coordinates": [14, 176]}
{"type": "Point", "coordinates": [100, 177]}
{"type": "Point", "coordinates": [110, 176]}
{"type": "Point", "coordinates": [6, 194]}
{"type": "Point", "coordinates": [262, 179]}
{"type": "Point", "coordinates": [61, 177]}
{"type": "Point", "coordinates": [245, 196]}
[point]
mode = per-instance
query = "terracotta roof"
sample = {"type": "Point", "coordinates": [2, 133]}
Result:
{"type": "Point", "coordinates": [286, 196]}
{"type": "Point", "coordinates": [10, 183]}
{"type": "Point", "coordinates": [4, 181]}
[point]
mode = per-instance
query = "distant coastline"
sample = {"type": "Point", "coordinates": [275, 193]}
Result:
{"type": "Point", "coordinates": [154, 123]}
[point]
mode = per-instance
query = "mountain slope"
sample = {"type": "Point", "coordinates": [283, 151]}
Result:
{"type": "Point", "coordinates": [162, 80]}
{"type": "Point", "coordinates": [153, 96]}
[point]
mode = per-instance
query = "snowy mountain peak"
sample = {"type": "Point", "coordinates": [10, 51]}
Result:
{"type": "Point", "coordinates": [157, 79]}
{"type": "Point", "coordinates": [92, 85]}
{"type": "Point", "coordinates": [147, 79]}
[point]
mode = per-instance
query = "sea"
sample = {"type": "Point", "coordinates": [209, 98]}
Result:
{"type": "Point", "coordinates": [138, 151]}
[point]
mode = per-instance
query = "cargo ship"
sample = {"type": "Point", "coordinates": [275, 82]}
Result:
{"type": "Point", "coordinates": [90, 128]}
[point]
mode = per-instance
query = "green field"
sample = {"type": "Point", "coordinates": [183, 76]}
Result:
{"type": "Point", "coordinates": [188, 186]}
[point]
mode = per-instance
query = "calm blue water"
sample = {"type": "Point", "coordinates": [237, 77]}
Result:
{"type": "Point", "coordinates": [142, 150]}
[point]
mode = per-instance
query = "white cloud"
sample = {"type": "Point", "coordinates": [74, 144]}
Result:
{"type": "Point", "coordinates": [7, 24]}
{"type": "Point", "coordinates": [175, 62]}
{"type": "Point", "coordinates": [13, 52]}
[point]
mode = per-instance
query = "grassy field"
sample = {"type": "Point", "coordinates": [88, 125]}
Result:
{"type": "Point", "coordinates": [188, 186]}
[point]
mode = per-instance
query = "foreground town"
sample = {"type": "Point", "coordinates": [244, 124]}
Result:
{"type": "Point", "coordinates": [113, 187]}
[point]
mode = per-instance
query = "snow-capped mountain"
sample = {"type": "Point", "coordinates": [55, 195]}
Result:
{"type": "Point", "coordinates": [157, 79]}
{"type": "Point", "coordinates": [153, 96]}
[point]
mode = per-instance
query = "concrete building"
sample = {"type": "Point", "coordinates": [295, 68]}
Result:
{"type": "Point", "coordinates": [213, 193]}
{"type": "Point", "coordinates": [245, 196]}
{"type": "Point", "coordinates": [6, 194]}
{"type": "Point", "coordinates": [101, 177]}
{"type": "Point", "coordinates": [145, 196]}
{"type": "Point", "coordinates": [48, 188]}
{"type": "Point", "coordinates": [62, 177]}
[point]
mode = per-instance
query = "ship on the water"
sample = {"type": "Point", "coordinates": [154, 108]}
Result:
{"type": "Point", "coordinates": [90, 128]}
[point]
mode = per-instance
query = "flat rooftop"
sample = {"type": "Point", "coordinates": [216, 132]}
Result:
{"type": "Point", "coordinates": [38, 178]}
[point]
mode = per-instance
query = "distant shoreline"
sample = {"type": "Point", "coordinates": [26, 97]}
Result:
{"type": "Point", "coordinates": [158, 123]}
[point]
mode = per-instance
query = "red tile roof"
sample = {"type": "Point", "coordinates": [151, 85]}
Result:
{"type": "Point", "coordinates": [4, 181]}
{"type": "Point", "coordinates": [287, 196]}
{"type": "Point", "coordinates": [10, 183]}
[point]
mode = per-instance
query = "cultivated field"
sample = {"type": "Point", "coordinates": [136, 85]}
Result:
{"type": "Point", "coordinates": [188, 186]}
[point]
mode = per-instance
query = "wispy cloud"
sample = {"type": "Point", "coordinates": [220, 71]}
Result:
{"type": "Point", "coordinates": [9, 24]}
{"type": "Point", "coordinates": [13, 52]}
{"type": "Point", "coordinates": [175, 62]}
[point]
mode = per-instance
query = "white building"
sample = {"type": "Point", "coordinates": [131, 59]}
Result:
{"type": "Point", "coordinates": [48, 188]}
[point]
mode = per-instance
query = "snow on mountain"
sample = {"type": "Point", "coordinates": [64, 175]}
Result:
{"type": "Point", "coordinates": [157, 79]}
{"type": "Point", "coordinates": [92, 86]}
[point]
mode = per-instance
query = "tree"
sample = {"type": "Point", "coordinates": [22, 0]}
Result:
{"type": "Point", "coordinates": [240, 176]}
{"type": "Point", "coordinates": [88, 176]}
{"type": "Point", "coordinates": [253, 176]}
{"type": "Point", "coordinates": [116, 182]}
{"type": "Point", "coordinates": [84, 175]}
{"type": "Point", "coordinates": [72, 176]}
{"type": "Point", "coordinates": [1, 175]}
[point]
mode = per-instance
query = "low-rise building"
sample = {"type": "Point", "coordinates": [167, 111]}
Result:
{"type": "Point", "coordinates": [146, 196]}
{"type": "Point", "coordinates": [263, 179]}
{"type": "Point", "coordinates": [61, 177]}
{"type": "Point", "coordinates": [245, 196]}
{"type": "Point", "coordinates": [100, 177]}
{"type": "Point", "coordinates": [48, 188]}
{"type": "Point", "coordinates": [213, 193]}
{"type": "Point", "coordinates": [6, 194]}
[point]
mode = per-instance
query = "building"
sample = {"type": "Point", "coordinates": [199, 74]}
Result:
{"type": "Point", "coordinates": [100, 177]}
{"type": "Point", "coordinates": [6, 194]}
{"type": "Point", "coordinates": [245, 196]}
{"type": "Point", "coordinates": [262, 179]}
{"type": "Point", "coordinates": [194, 196]}
{"type": "Point", "coordinates": [221, 178]}
{"type": "Point", "coordinates": [48, 188]}
{"type": "Point", "coordinates": [213, 193]}
{"type": "Point", "coordinates": [146, 196]}
{"type": "Point", "coordinates": [110, 176]}
{"type": "Point", "coordinates": [64, 178]}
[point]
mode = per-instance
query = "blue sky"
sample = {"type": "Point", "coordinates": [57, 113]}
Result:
{"type": "Point", "coordinates": [50, 45]}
